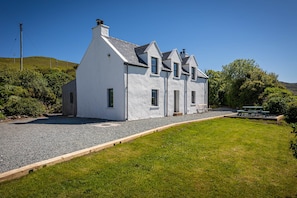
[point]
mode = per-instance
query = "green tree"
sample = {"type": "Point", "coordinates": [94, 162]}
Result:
{"type": "Point", "coordinates": [244, 82]}
{"type": "Point", "coordinates": [37, 86]}
{"type": "Point", "coordinates": [216, 88]}
{"type": "Point", "coordinates": [56, 79]}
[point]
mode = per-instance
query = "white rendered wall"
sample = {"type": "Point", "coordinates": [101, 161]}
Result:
{"type": "Point", "coordinates": [100, 69]}
{"type": "Point", "coordinates": [176, 83]}
{"type": "Point", "coordinates": [140, 85]}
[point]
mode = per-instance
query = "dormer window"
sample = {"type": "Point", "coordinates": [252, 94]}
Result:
{"type": "Point", "coordinates": [175, 69]}
{"type": "Point", "coordinates": [154, 65]}
{"type": "Point", "coordinates": [193, 73]}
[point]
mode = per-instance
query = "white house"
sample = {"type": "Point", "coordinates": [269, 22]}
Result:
{"type": "Point", "coordinates": [118, 80]}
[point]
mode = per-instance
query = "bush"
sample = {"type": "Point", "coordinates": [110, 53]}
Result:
{"type": "Point", "coordinates": [276, 105]}
{"type": "Point", "coordinates": [292, 112]}
{"type": "Point", "coordinates": [2, 117]}
{"type": "Point", "coordinates": [23, 106]}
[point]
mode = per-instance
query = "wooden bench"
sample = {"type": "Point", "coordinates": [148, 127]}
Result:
{"type": "Point", "coordinates": [201, 108]}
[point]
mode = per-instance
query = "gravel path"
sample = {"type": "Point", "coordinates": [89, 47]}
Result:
{"type": "Point", "coordinates": [26, 141]}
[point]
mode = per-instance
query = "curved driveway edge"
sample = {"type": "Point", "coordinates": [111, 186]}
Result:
{"type": "Point", "coordinates": [22, 171]}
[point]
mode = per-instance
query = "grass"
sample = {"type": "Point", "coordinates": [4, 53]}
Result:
{"type": "Point", "coordinates": [42, 64]}
{"type": "Point", "coordinates": [215, 158]}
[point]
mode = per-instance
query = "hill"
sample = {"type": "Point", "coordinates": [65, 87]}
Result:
{"type": "Point", "coordinates": [37, 89]}
{"type": "Point", "coordinates": [41, 64]}
{"type": "Point", "coordinates": [291, 86]}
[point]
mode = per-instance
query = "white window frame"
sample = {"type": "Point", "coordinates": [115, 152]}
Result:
{"type": "Point", "coordinates": [175, 70]}
{"type": "Point", "coordinates": [193, 73]}
{"type": "Point", "coordinates": [154, 66]}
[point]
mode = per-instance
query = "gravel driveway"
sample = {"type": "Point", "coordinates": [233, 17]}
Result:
{"type": "Point", "coordinates": [26, 141]}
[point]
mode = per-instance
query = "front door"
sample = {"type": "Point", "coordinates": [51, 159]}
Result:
{"type": "Point", "coordinates": [176, 101]}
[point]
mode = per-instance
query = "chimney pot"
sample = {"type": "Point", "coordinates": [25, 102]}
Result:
{"type": "Point", "coordinates": [99, 22]}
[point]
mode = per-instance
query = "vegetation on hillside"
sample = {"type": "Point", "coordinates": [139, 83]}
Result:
{"type": "Point", "coordinates": [35, 90]}
{"type": "Point", "coordinates": [243, 82]}
{"type": "Point", "coordinates": [291, 86]}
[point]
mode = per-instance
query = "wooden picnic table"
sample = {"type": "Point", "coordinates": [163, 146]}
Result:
{"type": "Point", "coordinates": [252, 110]}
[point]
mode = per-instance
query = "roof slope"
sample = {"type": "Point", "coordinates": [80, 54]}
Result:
{"type": "Point", "coordinates": [128, 50]}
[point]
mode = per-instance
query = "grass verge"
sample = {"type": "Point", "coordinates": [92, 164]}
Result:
{"type": "Point", "coordinates": [215, 158]}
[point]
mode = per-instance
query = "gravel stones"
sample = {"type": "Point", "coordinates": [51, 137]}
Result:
{"type": "Point", "coordinates": [26, 141]}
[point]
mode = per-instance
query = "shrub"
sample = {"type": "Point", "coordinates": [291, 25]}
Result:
{"type": "Point", "coordinates": [23, 106]}
{"type": "Point", "coordinates": [2, 117]}
{"type": "Point", "coordinates": [276, 105]}
{"type": "Point", "coordinates": [292, 112]}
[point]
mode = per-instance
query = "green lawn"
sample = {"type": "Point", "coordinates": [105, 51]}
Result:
{"type": "Point", "coordinates": [215, 158]}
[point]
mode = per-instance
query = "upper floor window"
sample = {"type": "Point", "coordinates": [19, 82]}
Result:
{"type": "Point", "coordinates": [154, 65]}
{"type": "Point", "coordinates": [193, 73]}
{"type": "Point", "coordinates": [110, 97]}
{"type": "Point", "coordinates": [175, 69]}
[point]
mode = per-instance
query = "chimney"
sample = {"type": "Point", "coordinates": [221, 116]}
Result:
{"type": "Point", "coordinates": [100, 29]}
{"type": "Point", "coordinates": [183, 54]}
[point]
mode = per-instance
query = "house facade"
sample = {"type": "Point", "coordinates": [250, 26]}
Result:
{"type": "Point", "coordinates": [118, 80]}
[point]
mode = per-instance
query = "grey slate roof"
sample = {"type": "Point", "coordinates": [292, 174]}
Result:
{"type": "Point", "coordinates": [165, 55]}
{"type": "Point", "coordinates": [128, 50]}
{"type": "Point", "coordinates": [141, 49]}
{"type": "Point", "coordinates": [131, 51]}
{"type": "Point", "coordinates": [184, 60]}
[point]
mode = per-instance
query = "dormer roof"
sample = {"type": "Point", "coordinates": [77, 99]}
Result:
{"type": "Point", "coordinates": [128, 50]}
{"type": "Point", "coordinates": [168, 55]}
{"type": "Point", "coordinates": [141, 49]}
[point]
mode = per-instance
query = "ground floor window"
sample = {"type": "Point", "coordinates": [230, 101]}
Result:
{"type": "Point", "coordinates": [110, 97]}
{"type": "Point", "coordinates": [71, 97]}
{"type": "Point", "coordinates": [193, 97]}
{"type": "Point", "coordinates": [154, 97]}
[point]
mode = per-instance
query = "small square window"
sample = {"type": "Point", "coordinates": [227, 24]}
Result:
{"type": "Point", "coordinates": [193, 73]}
{"type": "Point", "coordinates": [193, 97]}
{"type": "Point", "coordinates": [175, 69]}
{"type": "Point", "coordinates": [154, 97]}
{"type": "Point", "coordinates": [154, 65]}
{"type": "Point", "coordinates": [110, 97]}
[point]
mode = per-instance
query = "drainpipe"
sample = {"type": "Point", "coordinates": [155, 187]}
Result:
{"type": "Point", "coordinates": [127, 81]}
{"type": "Point", "coordinates": [167, 93]}
{"type": "Point", "coordinates": [185, 96]}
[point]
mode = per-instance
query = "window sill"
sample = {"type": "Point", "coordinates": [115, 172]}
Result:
{"type": "Point", "coordinates": [154, 75]}
{"type": "Point", "coordinates": [193, 104]}
{"type": "Point", "coordinates": [176, 78]}
{"type": "Point", "coordinates": [154, 107]}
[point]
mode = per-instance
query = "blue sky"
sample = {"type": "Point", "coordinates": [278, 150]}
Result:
{"type": "Point", "coordinates": [216, 31]}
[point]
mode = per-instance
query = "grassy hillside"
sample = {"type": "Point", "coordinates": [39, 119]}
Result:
{"type": "Point", "coordinates": [291, 86]}
{"type": "Point", "coordinates": [37, 89]}
{"type": "Point", "coordinates": [41, 64]}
